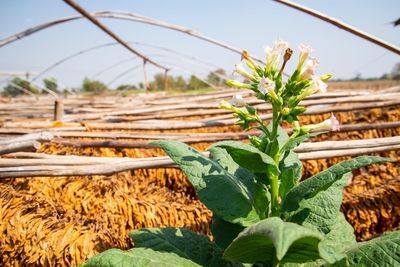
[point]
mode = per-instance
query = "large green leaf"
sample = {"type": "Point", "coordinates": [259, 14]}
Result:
{"type": "Point", "coordinates": [338, 239]}
{"type": "Point", "coordinates": [254, 189]}
{"type": "Point", "coordinates": [381, 251]}
{"type": "Point", "coordinates": [223, 193]}
{"type": "Point", "coordinates": [224, 232]}
{"type": "Point", "coordinates": [249, 157]}
{"type": "Point", "coordinates": [321, 210]}
{"type": "Point", "coordinates": [290, 167]}
{"type": "Point", "coordinates": [272, 240]}
{"type": "Point", "coordinates": [183, 242]}
{"type": "Point", "coordinates": [137, 257]}
{"type": "Point", "coordinates": [316, 201]}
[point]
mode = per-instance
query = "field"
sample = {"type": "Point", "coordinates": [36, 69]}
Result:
{"type": "Point", "coordinates": [81, 185]}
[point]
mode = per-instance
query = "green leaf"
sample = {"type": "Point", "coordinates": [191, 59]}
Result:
{"type": "Point", "coordinates": [272, 240]}
{"type": "Point", "coordinates": [338, 239]}
{"type": "Point", "coordinates": [321, 210]}
{"type": "Point", "coordinates": [224, 232]}
{"type": "Point", "coordinates": [316, 201]}
{"type": "Point", "coordinates": [293, 143]}
{"type": "Point", "coordinates": [224, 194]}
{"type": "Point", "coordinates": [290, 167]}
{"type": "Point", "coordinates": [249, 157]}
{"type": "Point", "coordinates": [137, 257]}
{"type": "Point", "coordinates": [254, 190]}
{"type": "Point", "coordinates": [381, 251]}
{"type": "Point", "coordinates": [183, 242]}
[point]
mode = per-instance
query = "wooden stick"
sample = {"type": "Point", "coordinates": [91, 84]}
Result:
{"type": "Point", "coordinates": [20, 146]}
{"type": "Point", "coordinates": [96, 22]}
{"type": "Point", "coordinates": [338, 145]}
{"type": "Point", "coordinates": [157, 162]}
{"type": "Point", "coordinates": [41, 136]}
{"type": "Point", "coordinates": [342, 25]}
{"type": "Point", "coordinates": [346, 152]}
{"type": "Point", "coordinates": [58, 110]}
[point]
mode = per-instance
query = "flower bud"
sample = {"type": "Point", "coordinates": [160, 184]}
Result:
{"type": "Point", "coordinates": [325, 77]}
{"type": "Point", "coordinates": [241, 70]}
{"type": "Point", "coordinates": [285, 111]}
{"type": "Point", "coordinates": [225, 105]}
{"type": "Point", "coordinates": [238, 101]}
{"type": "Point", "coordinates": [236, 84]}
{"type": "Point", "coordinates": [249, 61]}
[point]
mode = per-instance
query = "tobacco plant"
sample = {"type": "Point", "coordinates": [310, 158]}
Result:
{"type": "Point", "coordinates": [263, 215]}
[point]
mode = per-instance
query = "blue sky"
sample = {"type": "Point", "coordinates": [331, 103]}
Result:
{"type": "Point", "coordinates": [243, 24]}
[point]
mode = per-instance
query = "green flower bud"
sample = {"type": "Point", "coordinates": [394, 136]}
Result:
{"type": "Point", "coordinates": [236, 84]}
{"type": "Point", "coordinates": [325, 77]}
{"type": "Point", "coordinates": [285, 111]}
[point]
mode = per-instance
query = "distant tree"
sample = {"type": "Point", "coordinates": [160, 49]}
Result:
{"type": "Point", "coordinates": [158, 82]}
{"type": "Point", "coordinates": [141, 85]}
{"type": "Point", "coordinates": [11, 89]}
{"type": "Point", "coordinates": [196, 83]}
{"type": "Point", "coordinates": [93, 86]}
{"type": "Point", "coordinates": [357, 77]}
{"type": "Point", "coordinates": [214, 77]}
{"type": "Point", "coordinates": [51, 84]}
{"type": "Point", "coordinates": [126, 87]}
{"type": "Point", "coordinates": [180, 83]}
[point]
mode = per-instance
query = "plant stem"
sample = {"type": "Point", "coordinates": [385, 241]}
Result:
{"type": "Point", "coordinates": [275, 122]}
{"type": "Point", "coordinates": [274, 195]}
{"type": "Point", "coordinates": [274, 179]}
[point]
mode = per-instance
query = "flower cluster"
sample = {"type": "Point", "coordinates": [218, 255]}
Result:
{"type": "Point", "coordinates": [269, 85]}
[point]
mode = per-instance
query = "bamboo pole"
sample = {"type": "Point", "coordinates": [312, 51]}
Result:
{"type": "Point", "coordinates": [31, 145]}
{"type": "Point", "coordinates": [96, 22]}
{"type": "Point", "coordinates": [125, 16]}
{"type": "Point", "coordinates": [58, 110]}
{"type": "Point", "coordinates": [338, 145]}
{"type": "Point", "coordinates": [346, 152]}
{"type": "Point", "coordinates": [343, 26]}
{"type": "Point", "coordinates": [53, 168]}
{"type": "Point", "coordinates": [40, 136]}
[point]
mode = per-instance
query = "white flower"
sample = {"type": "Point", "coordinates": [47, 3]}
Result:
{"type": "Point", "coordinates": [281, 46]}
{"type": "Point", "coordinates": [266, 86]}
{"type": "Point", "coordinates": [305, 52]}
{"type": "Point", "coordinates": [309, 68]}
{"type": "Point", "coordinates": [334, 123]}
{"type": "Point", "coordinates": [238, 101]}
{"type": "Point", "coordinates": [331, 124]}
{"type": "Point", "coordinates": [241, 70]}
{"type": "Point", "coordinates": [317, 86]}
{"type": "Point", "coordinates": [271, 56]}
{"type": "Point", "coordinates": [274, 53]}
